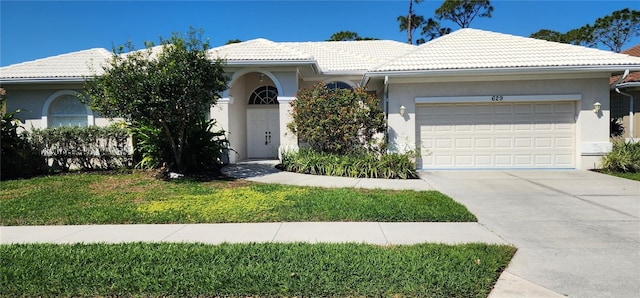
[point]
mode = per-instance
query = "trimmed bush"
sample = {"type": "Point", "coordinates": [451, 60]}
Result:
{"type": "Point", "coordinates": [623, 158]}
{"type": "Point", "coordinates": [86, 148]}
{"type": "Point", "coordinates": [364, 165]}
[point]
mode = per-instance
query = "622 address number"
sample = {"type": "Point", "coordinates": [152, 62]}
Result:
{"type": "Point", "coordinates": [497, 98]}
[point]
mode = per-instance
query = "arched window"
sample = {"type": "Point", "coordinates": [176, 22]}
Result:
{"type": "Point", "coordinates": [63, 108]}
{"type": "Point", "coordinates": [265, 95]}
{"type": "Point", "coordinates": [338, 85]}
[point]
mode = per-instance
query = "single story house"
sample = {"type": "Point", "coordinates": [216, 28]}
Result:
{"type": "Point", "coordinates": [625, 99]}
{"type": "Point", "coordinates": [470, 99]}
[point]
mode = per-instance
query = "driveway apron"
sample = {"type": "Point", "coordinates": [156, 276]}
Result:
{"type": "Point", "coordinates": [577, 232]}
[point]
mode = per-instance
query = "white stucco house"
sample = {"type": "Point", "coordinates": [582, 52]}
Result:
{"type": "Point", "coordinates": [470, 99]}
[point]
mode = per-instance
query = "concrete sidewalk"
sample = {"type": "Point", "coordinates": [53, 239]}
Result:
{"type": "Point", "coordinates": [264, 171]}
{"type": "Point", "coordinates": [313, 232]}
{"type": "Point", "coordinates": [508, 285]}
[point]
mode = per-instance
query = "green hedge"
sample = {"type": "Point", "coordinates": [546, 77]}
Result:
{"type": "Point", "coordinates": [367, 165]}
{"type": "Point", "coordinates": [87, 148]}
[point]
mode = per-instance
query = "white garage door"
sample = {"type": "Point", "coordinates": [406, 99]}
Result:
{"type": "Point", "coordinates": [497, 135]}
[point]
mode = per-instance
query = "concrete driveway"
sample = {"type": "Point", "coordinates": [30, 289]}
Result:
{"type": "Point", "coordinates": [578, 232]}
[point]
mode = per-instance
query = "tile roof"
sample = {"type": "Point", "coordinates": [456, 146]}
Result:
{"type": "Point", "coordinates": [465, 49]}
{"type": "Point", "coordinates": [478, 49]}
{"type": "Point", "coordinates": [70, 65]}
{"type": "Point", "coordinates": [334, 56]}
{"type": "Point", "coordinates": [344, 56]}
{"type": "Point", "coordinates": [633, 51]}
{"type": "Point", "coordinates": [634, 76]}
{"type": "Point", "coordinates": [258, 50]}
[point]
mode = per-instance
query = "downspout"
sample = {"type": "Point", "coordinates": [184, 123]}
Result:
{"type": "Point", "coordinates": [385, 100]}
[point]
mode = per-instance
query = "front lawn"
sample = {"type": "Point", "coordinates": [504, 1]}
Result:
{"type": "Point", "coordinates": [251, 270]}
{"type": "Point", "coordinates": [138, 198]}
{"type": "Point", "coordinates": [632, 176]}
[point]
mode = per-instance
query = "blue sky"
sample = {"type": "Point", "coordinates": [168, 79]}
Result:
{"type": "Point", "coordinates": [36, 29]}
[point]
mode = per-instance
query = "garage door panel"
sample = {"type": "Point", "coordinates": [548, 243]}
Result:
{"type": "Point", "coordinates": [506, 135]}
{"type": "Point", "coordinates": [464, 127]}
{"type": "Point", "coordinates": [464, 143]}
{"type": "Point", "coordinates": [566, 143]}
{"type": "Point", "coordinates": [565, 126]}
{"type": "Point", "coordinates": [464, 160]}
{"type": "Point", "coordinates": [444, 144]}
{"type": "Point", "coordinates": [503, 109]}
{"type": "Point", "coordinates": [483, 110]}
{"type": "Point", "coordinates": [502, 143]}
{"type": "Point", "coordinates": [524, 143]}
{"type": "Point", "coordinates": [523, 108]}
{"type": "Point", "coordinates": [483, 143]}
{"type": "Point", "coordinates": [464, 110]}
{"type": "Point", "coordinates": [523, 160]}
{"type": "Point", "coordinates": [564, 160]}
{"type": "Point", "coordinates": [544, 108]}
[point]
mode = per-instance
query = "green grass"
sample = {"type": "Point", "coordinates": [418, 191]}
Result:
{"type": "Point", "coordinates": [632, 176]}
{"type": "Point", "coordinates": [251, 270]}
{"type": "Point", "coordinates": [138, 198]}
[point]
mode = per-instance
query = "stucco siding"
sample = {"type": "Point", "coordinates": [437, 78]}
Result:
{"type": "Point", "coordinates": [592, 130]}
{"type": "Point", "coordinates": [30, 99]}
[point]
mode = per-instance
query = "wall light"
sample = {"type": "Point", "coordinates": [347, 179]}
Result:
{"type": "Point", "coordinates": [596, 107]}
{"type": "Point", "coordinates": [402, 110]}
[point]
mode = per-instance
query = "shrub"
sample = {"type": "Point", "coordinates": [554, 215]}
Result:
{"type": "Point", "coordinates": [336, 121]}
{"type": "Point", "coordinates": [616, 128]}
{"type": "Point", "coordinates": [624, 157]}
{"type": "Point", "coordinates": [87, 148]}
{"type": "Point", "coordinates": [20, 157]}
{"type": "Point", "coordinates": [363, 165]}
{"type": "Point", "coordinates": [202, 151]}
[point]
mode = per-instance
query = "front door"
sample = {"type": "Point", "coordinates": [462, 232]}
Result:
{"type": "Point", "coordinates": [263, 133]}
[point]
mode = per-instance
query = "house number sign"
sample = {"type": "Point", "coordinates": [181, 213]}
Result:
{"type": "Point", "coordinates": [497, 98]}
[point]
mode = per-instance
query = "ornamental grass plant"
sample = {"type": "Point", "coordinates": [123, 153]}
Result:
{"type": "Point", "coordinates": [364, 165]}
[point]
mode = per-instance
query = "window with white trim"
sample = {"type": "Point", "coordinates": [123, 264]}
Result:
{"type": "Point", "coordinates": [265, 95]}
{"type": "Point", "coordinates": [338, 85]}
{"type": "Point", "coordinates": [67, 110]}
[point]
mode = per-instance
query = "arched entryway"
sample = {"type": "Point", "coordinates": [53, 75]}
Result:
{"type": "Point", "coordinates": [263, 123]}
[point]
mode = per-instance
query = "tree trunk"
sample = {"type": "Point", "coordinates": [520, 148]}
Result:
{"type": "Point", "coordinates": [176, 149]}
{"type": "Point", "coordinates": [409, 17]}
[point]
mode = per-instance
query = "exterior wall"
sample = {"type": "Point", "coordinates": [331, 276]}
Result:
{"type": "Point", "coordinates": [237, 131]}
{"type": "Point", "coordinates": [592, 130]}
{"type": "Point", "coordinates": [31, 98]}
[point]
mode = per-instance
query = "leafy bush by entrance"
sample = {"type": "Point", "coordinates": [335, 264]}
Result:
{"type": "Point", "coordinates": [202, 150]}
{"type": "Point", "coordinates": [337, 121]}
{"type": "Point", "coordinates": [624, 158]}
{"type": "Point", "coordinates": [364, 165]}
{"type": "Point", "coordinates": [167, 90]}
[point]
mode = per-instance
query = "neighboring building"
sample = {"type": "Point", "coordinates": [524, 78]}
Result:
{"type": "Point", "coordinates": [625, 101]}
{"type": "Point", "coordinates": [470, 99]}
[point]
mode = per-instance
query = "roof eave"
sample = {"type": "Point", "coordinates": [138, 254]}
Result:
{"type": "Point", "coordinates": [263, 63]}
{"type": "Point", "coordinates": [344, 72]}
{"type": "Point", "coordinates": [505, 70]}
{"type": "Point", "coordinates": [42, 80]}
